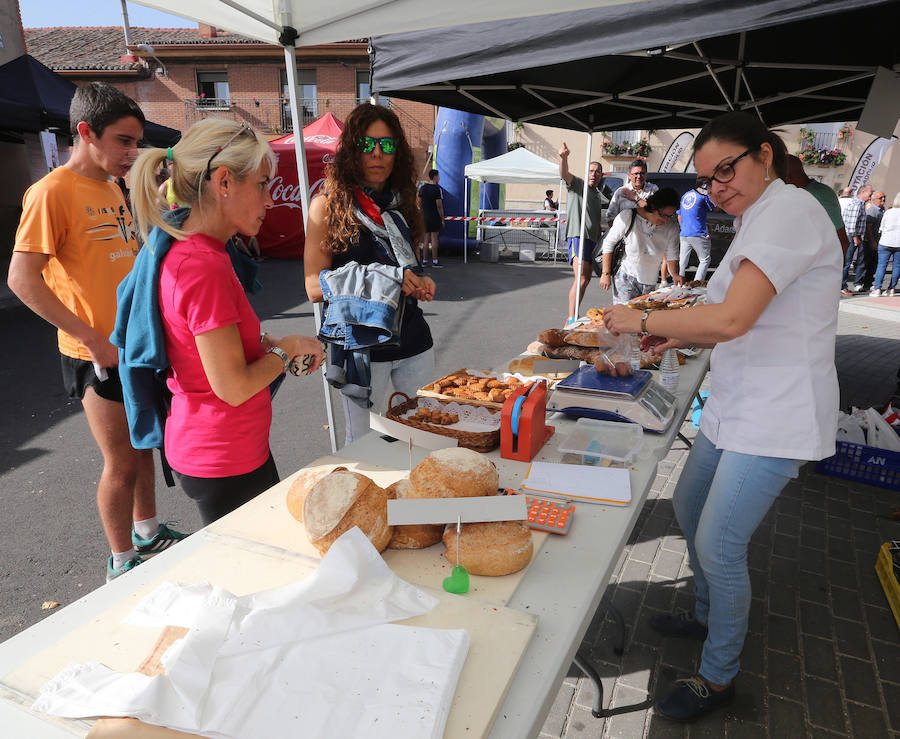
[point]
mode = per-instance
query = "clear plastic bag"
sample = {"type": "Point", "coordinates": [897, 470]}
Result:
{"type": "Point", "coordinates": [614, 351]}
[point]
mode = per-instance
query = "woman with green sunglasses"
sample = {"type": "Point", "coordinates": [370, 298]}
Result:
{"type": "Point", "coordinates": [361, 233]}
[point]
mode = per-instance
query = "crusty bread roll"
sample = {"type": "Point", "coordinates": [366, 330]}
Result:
{"type": "Point", "coordinates": [586, 337]}
{"type": "Point", "coordinates": [412, 536]}
{"type": "Point", "coordinates": [301, 486]}
{"type": "Point", "coordinates": [552, 337]}
{"type": "Point", "coordinates": [491, 548]}
{"type": "Point", "coordinates": [453, 473]}
{"type": "Point", "coordinates": [342, 500]}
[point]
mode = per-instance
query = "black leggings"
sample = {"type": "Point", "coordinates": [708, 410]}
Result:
{"type": "Point", "coordinates": [216, 496]}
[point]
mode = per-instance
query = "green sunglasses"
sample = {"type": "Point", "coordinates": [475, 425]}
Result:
{"type": "Point", "coordinates": [388, 144]}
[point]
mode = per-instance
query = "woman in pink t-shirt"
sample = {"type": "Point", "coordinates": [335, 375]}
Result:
{"type": "Point", "coordinates": [217, 432]}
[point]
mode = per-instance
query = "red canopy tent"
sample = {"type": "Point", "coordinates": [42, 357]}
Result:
{"type": "Point", "coordinates": [281, 235]}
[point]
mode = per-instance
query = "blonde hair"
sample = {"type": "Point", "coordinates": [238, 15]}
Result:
{"type": "Point", "coordinates": [243, 155]}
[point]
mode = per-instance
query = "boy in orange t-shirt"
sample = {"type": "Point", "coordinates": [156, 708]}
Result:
{"type": "Point", "coordinates": [75, 243]}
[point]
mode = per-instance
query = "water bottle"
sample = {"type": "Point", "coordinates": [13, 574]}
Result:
{"type": "Point", "coordinates": [668, 371]}
{"type": "Point", "coordinates": [635, 352]}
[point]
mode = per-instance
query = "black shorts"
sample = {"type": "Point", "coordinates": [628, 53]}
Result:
{"type": "Point", "coordinates": [217, 496]}
{"type": "Point", "coordinates": [433, 224]}
{"type": "Point", "coordinates": [79, 374]}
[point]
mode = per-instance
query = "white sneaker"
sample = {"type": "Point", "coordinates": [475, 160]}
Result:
{"type": "Point", "coordinates": [890, 293]}
{"type": "Point", "coordinates": [855, 288]}
{"type": "Point", "coordinates": [876, 293]}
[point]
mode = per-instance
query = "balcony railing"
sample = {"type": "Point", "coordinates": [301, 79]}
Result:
{"type": "Point", "coordinates": [267, 115]}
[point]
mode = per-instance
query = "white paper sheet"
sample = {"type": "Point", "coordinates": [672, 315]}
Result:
{"type": "Point", "coordinates": [316, 658]}
{"type": "Point", "coordinates": [582, 483]}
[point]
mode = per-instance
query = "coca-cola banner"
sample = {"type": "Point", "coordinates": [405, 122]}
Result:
{"type": "Point", "coordinates": [281, 234]}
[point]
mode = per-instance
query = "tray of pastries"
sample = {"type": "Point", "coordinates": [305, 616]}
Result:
{"type": "Point", "coordinates": [473, 387]}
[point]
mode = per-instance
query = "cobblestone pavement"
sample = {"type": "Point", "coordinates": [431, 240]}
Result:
{"type": "Point", "coordinates": [822, 656]}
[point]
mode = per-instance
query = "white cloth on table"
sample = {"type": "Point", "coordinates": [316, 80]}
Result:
{"type": "Point", "coordinates": [316, 658]}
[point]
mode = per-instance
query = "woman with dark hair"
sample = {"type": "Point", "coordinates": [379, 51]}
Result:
{"type": "Point", "coordinates": [650, 234]}
{"type": "Point", "coordinates": [360, 260]}
{"type": "Point", "coordinates": [771, 318]}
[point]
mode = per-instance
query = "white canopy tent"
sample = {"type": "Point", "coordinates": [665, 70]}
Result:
{"type": "Point", "coordinates": [518, 166]}
{"type": "Point", "coordinates": [290, 23]}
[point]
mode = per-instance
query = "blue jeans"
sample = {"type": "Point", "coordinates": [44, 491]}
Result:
{"type": "Point", "coordinates": [719, 501]}
{"type": "Point", "coordinates": [884, 256]}
{"type": "Point", "coordinates": [404, 375]}
{"type": "Point", "coordinates": [859, 253]}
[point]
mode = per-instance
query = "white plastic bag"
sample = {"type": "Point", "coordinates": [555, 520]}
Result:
{"type": "Point", "coordinates": [880, 433]}
{"type": "Point", "coordinates": [849, 429]}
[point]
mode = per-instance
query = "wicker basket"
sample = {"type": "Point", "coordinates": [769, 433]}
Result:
{"type": "Point", "coordinates": [479, 441]}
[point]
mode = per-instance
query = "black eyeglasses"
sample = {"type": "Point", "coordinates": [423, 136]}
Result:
{"type": "Point", "coordinates": [244, 127]}
{"type": "Point", "coordinates": [724, 173]}
{"type": "Point", "coordinates": [366, 144]}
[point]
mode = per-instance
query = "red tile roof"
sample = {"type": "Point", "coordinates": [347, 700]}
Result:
{"type": "Point", "coordinates": [100, 48]}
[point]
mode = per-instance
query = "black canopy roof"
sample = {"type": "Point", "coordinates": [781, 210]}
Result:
{"type": "Point", "coordinates": [653, 64]}
{"type": "Point", "coordinates": [34, 97]}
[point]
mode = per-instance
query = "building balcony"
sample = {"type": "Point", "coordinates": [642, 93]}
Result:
{"type": "Point", "coordinates": [267, 115]}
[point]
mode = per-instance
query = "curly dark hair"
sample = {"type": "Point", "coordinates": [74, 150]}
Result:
{"type": "Point", "coordinates": [345, 173]}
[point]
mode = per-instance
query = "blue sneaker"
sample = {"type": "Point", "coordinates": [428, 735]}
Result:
{"type": "Point", "coordinates": [162, 539]}
{"type": "Point", "coordinates": [113, 572]}
{"type": "Point", "coordinates": [692, 699]}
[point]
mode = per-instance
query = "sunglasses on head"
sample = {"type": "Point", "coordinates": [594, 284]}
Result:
{"type": "Point", "coordinates": [244, 127]}
{"type": "Point", "coordinates": [366, 144]}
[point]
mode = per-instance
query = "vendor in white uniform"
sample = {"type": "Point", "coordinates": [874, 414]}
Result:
{"type": "Point", "coordinates": [773, 403]}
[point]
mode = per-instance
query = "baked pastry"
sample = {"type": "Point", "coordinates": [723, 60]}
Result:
{"type": "Point", "coordinates": [586, 337]}
{"type": "Point", "coordinates": [412, 536]}
{"type": "Point", "coordinates": [552, 337]}
{"type": "Point", "coordinates": [453, 473]}
{"type": "Point", "coordinates": [301, 486]}
{"type": "Point", "coordinates": [341, 500]}
{"type": "Point", "coordinates": [490, 548]}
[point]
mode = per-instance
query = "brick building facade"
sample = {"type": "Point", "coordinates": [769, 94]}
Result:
{"type": "Point", "coordinates": [182, 75]}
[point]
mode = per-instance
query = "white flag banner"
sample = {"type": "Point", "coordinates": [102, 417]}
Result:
{"type": "Point", "coordinates": [869, 161]}
{"type": "Point", "coordinates": [676, 149]}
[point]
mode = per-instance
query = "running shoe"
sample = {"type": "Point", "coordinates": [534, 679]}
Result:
{"type": "Point", "coordinates": [162, 539]}
{"type": "Point", "coordinates": [113, 572]}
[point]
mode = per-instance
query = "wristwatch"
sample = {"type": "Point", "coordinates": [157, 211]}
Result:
{"type": "Point", "coordinates": [282, 354]}
{"type": "Point", "coordinates": [644, 316]}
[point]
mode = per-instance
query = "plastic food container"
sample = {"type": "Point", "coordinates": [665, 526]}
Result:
{"type": "Point", "coordinates": [595, 441]}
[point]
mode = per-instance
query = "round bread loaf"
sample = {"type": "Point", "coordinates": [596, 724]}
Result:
{"type": "Point", "coordinates": [342, 500]}
{"type": "Point", "coordinates": [412, 536]}
{"type": "Point", "coordinates": [301, 486]}
{"type": "Point", "coordinates": [454, 473]}
{"type": "Point", "coordinates": [490, 548]}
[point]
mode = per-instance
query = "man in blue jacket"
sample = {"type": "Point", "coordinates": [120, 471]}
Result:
{"type": "Point", "coordinates": [695, 206]}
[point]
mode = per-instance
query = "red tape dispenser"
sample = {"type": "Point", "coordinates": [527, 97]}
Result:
{"type": "Point", "coordinates": [523, 427]}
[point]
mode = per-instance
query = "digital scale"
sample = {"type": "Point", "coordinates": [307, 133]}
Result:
{"type": "Point", "coordinates": [635, 399]}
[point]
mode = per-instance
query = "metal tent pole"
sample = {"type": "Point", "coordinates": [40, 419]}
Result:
{"type": "Point", "coordinates": [290, 63]}
{"type": "Point", "coordinates": [584, 197]}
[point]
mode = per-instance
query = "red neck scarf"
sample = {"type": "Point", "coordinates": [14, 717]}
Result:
{"type": "Point", "coordinates": [368, 206]}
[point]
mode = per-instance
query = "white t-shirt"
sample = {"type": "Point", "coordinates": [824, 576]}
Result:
{"type": "Point", "coordinates": [774, 390]}
{"type": "Point", "coordinates": [645, 245]}
{"type": "Point", "coordinates": [890, 228]}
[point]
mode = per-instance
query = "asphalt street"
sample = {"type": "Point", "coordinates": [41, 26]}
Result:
{"type": "Point", "coordinates": [51, 544]}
